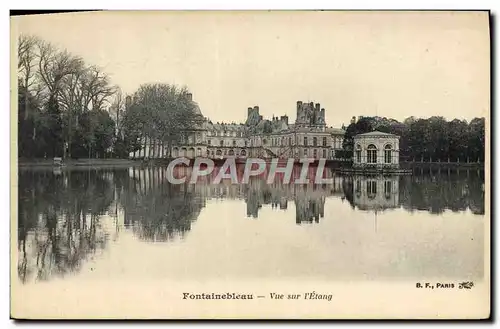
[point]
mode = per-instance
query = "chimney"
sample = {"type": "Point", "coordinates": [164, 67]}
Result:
{"type": "Point", "coordinates": [311, 105]}
{"type": "Point", "coordinates": [256, 109]}
{"type": "Point", "coordinates": [317, 106]}
{"type": "Point", "coordinates": [299, 104]}
{"type": "Point", "coordinates": [190, 96]}
{"type": "Point", "coordinates": [249, 110]}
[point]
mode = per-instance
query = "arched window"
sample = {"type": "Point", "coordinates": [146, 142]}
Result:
{"type": "Point", "coordinates": [231, 152]}
{"type": "Point", "coordinates": [175, 152]}
{"type": "Point", "coordinates": [219, 152]}
{"type": "Point", "coordinates": [371, 153]}
{"type": "Point", "coordinates": [264, 141]}
{"type": "Point", "coordinates": [358, 153]}
{"type": "Point", "coordinates": [243, 153]}
{"type": "Point", "coordinates": [388, 153]}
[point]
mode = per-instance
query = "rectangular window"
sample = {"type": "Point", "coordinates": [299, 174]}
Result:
{"type": "Point", "coordinates": [305, 152]}
{"type": "Point", "coordinates": [324, 141]}
{"type": "Point", "coordinates": [388, 156]}
{"type": "Point", "coordinates": [209, 142]}
{"type": "Point", "coordinates": [388, 188]}
{"type": "Point", "coordinates": [371, 188]}
{"type": "Point", "coordinates": [324, 154]}
{"type": "Point", "coordinates": [358, 156]}
{"type": "Point", "coordinates": [315, 141]}
{"type": "Point", "coordinates": [305, 141]}
{"type": "Point", "coordinates": [358, 186]}
{"type": "Point", "coordinates": [372, 156]}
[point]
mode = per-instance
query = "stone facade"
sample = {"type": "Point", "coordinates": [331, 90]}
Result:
{"type": "Point", "coordinates": [376, 149]}
{"type": "Point", "coordinates": [308, 137]}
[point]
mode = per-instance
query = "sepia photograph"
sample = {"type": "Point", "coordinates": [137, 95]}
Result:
{"type": "Point", "coordinates": [250, 165]}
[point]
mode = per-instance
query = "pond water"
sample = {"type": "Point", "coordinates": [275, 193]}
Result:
{"type": "Point", "coordinates": [131, 224]}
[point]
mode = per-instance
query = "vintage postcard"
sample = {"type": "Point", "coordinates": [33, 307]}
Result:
{"type": "Point", "coordinates": [250, 165]}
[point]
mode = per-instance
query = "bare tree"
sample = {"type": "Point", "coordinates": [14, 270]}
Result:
{"type": "Point", "coordinates": [26, 70]}
{"type": "Point", "coordinates": [54, 66]}
{"type": "Point", "coordinates": [26, 50]}
{"type": "Point", "coordinates": [167, 114]}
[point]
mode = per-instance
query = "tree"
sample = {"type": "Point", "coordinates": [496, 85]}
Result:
{"type": "Point", "coordinates": [476, 140]}
{"type": "Point", "coordinates": [362, 126]}
{"type": "Point", "coordinates": [162, 113]}
{"type": "Point", "coordinates": [57, 89]}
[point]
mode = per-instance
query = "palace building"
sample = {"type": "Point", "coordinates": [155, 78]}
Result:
{"type": "Point", "coordinates": [308, 137]}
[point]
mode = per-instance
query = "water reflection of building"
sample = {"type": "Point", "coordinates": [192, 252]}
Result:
{"type": "Point", "coordinates": [376, 193]}
{"type": "Point", "coordinates": [309, 199]}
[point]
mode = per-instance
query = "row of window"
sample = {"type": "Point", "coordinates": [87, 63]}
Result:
{"type": "Point", "coordinates": [371, 189]}
{"type": "Point", "coordinates": [226, 133]}
{"type": "Point", "coordinates": [274, 141]}
{"type": "Point", "coordinates": [221, 143]}
{"type": "Point", "coordinates": [288, 141]}
{"type": "Point", "coordinates": [371, 156]}
{"type": "Point", "coordinates": [306, 153]}
{"type": "Point", "coordinates": [229, 152]}
{"type": "Point", "coordinates": [190, 152]}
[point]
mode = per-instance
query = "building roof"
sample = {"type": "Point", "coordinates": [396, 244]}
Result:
{"type": "Point", "coordinates": [336, 131]}
{"type": "Point", "coordinates": [375, 133]}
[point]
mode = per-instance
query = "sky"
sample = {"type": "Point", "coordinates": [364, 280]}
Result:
{"type": "Point", "coordinates": [392, 64]}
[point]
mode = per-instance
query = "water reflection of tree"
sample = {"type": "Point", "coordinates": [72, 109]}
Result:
{"type": "Point", "coordinates": [436, 192]}
{"type": "Point", "coordinates": [59, 220]}
{"type": "Point", "coordinates": [309, 199]}
{"type": "Point", "coordinates": [157, 210]}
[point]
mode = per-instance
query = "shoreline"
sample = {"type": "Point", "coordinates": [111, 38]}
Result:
{"type": "Point", "coordinates": [120, 163]}
{"type": "Point", "coordinates": [82, 163]}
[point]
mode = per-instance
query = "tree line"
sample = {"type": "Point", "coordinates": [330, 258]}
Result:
{"type": "Point", "coordinates": [67, 108]}
{"type": "Point", "coordinates": [433, 139]}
